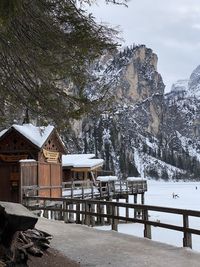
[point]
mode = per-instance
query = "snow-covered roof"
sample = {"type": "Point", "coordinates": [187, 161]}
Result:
{"type": "Point", "coordinates": [107, 178]}
{"type": "Point", "coordinates": [3, 132]}
{"type": "Point", "coordinates": [27, 160]}
{"type": "Point", "coordinates": [37, 135]}
{"type": "Point", "coordinates": [81, 161]}
{"type": "Point", "coordinates": [135, 179]}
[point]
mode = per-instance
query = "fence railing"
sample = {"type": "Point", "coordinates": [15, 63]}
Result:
{"type": "Point", "coordinates": [88, 189]}
{"type": "Point", "coordinates": [101, 189]}
{"type": "Point", "coordinates": [94, 212]}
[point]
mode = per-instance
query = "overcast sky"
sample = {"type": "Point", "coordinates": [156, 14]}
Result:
{"type": "Point", "coordinates": [171, 28]}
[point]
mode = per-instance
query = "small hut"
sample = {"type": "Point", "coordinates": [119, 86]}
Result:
{"type": "Point", "coordinates": [30, 156]}
{"type": "Point", "coordinates": [80, 167]}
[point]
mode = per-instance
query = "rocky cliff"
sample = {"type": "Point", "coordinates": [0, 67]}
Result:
{"type": "Point", "coordinates": [142, 131]}
{"type": "Point", "coordinates": [126, 133]}
{"type": "Point", "coordinates": [182, 123]}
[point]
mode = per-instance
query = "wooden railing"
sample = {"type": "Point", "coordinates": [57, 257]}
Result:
{"type": "Point", "coordinates": [102, 189]}
{"type": "Point", "coordinates": [88, 189]}
{"type": "Point", "coordinates": [94, 212]}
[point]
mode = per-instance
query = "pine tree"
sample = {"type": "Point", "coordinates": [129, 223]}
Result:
{"type": "Point", "coordinates": [46, 49]}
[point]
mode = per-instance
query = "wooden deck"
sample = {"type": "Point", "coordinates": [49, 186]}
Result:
{"type": "Point", "coordinates": [100, 190]}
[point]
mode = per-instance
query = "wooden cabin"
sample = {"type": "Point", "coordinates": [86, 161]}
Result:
{"type": "Point", "coordinates": [81, 167]}
{"type": "Point", "coordinates": [30, 156]}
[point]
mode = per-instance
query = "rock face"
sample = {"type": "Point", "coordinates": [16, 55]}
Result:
{"type": "Point", "coordinates": [143, 132]}
{"type": "Point", "coordinates": [185, 106]}
{"type": "Point", "coordinates": [127, 131]}
{"type": "Point", "coordinates": [182, 123]}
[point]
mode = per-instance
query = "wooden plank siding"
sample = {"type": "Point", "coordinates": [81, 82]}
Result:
{"type": "Point", "coordinates": [28, 178]}
{"type": "Point", "coordinates": [41, 175]}
{"type": "Point", "coordinates": [44, 178]}
{"type": "Point", "coordinates": [56, 180]}
{"type": "Point", "coordinates": [29, 173]}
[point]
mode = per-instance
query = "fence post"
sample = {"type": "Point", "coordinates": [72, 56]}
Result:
{"type": "Point", "coordinates": [100, 189]}
{"type": "Point", "coordinates": [102, 212]}
{"type": "Point", "coordinates": [109, 211]}
{"type": "Point", "coordinates": [114, 221]}
{"type": "Point", "coordinates": [71, 214]}
{"type": "Point", "coordinates": [127, 209]}
{"type": "Point", "coordinates": [82, 191]}
{"type": "Point", "coordinates": [92, 190]}
{"type": "Point", "coordinates": [127, 187]}
{"type": "Point", "coordinates": [45, 214]}
{"type": "Point", "coordinates": [87, 217]}
{"type": "Point", "coordinates": [65, 213]}
{"type": "Point", "coordinates": [26, 201]}
{"type": "Point", "coordinates": [78, 220]}
{"type": "Point", "coordinates": [92, 218]}
{"type": "Point", "coordinates": [118, 210]}
{"type": "Point", "coordinates": [147, 228]}
{"type": "Point", "coordinates": [114, 191]}
{"type": "Point", "coordinates": [108, 189]}
{"type": "Point", "coordinates": [135, 202]}
{"type": "Point", "coordinates": [72, 189]}
{"type": "Point", "coordinates": [58, 214]}
{"type": "Point", "coordinates": [98, 212]}
{"type": "Point", "coordinates": [187, 237]}
{"type": "Point", "coordinates": [131, 183]}
{"type": "Point", "coordinates": [83, 214]}
{"type": "Point", "coordinates": [142, 198]}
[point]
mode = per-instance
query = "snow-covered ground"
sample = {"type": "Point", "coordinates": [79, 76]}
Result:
{"type": "Point", "coordinates": [160, 194]}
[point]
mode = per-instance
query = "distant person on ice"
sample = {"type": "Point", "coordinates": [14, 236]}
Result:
{"type": "Point", "coordinates": [175, 195]}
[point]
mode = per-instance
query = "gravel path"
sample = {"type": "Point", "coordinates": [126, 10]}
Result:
{"type": "Point", "coordinates": [91, 247]}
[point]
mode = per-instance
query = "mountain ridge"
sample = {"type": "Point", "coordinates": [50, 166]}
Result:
{"type": "Point", "coordinates": [144, 132]}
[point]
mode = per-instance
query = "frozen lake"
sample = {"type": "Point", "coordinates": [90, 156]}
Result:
{"type": "Point", "coordinates": [161, 194]}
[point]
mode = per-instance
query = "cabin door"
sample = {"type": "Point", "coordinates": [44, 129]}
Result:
{"type": "Point", "coordinates": [14, 182]}
{"type": "Point", "coordinates": [5, 193]}
{"type": "Point", "coordinates": [9, 182]}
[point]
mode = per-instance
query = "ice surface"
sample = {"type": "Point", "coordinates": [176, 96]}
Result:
{"type": "Point", "coordinates": [160, 194]}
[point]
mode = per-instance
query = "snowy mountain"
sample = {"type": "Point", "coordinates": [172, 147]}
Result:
{"type": "Point", "coordinates": [180, 86]}
{"type": "Point", "coordinates": [142, 131]}
{"type": "Point", "coordinates": [182, 121]}
{"type": "Point", "coordinates": [194, 84]}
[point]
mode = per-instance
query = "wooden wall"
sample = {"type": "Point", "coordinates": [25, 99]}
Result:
{"type": "Point", "coordinates": [44, 175]}
{"type": "Point", "coordinates": [29, 173]}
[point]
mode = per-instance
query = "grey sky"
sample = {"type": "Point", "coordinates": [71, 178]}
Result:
{"type": "Point", "coordinates": [171, 28]}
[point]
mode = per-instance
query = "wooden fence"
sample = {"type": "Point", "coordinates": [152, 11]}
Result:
{"type": "Point", "coordinates": [88, 189]}
{"type": "Point", "coordinates": [94, 212]}
{"type": "Point", "coordinates": [103, 189]}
